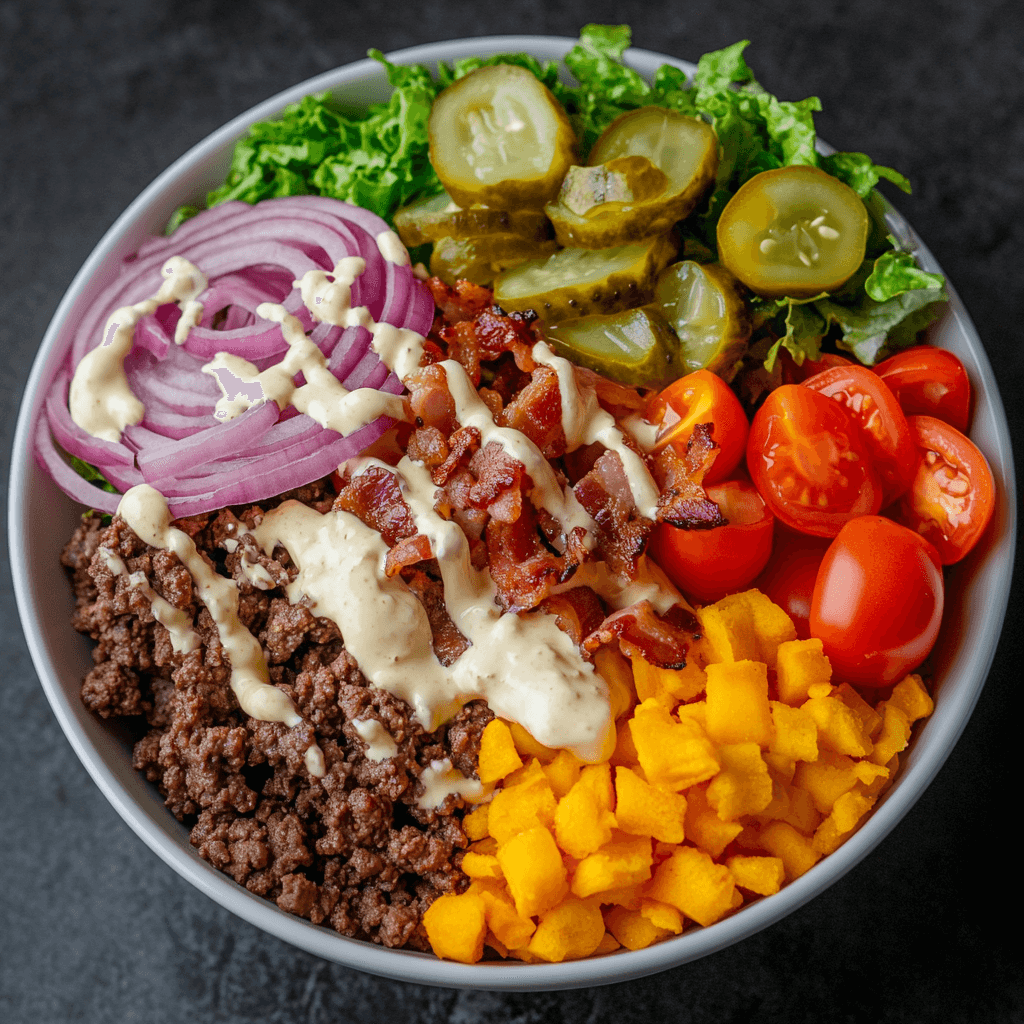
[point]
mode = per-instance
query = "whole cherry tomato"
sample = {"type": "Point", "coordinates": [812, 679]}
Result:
{"type": "Point", "coordinates": [788, 578]}
{"type": "Point", "coordinates": [701, 397]}
{"type": "Point", "coordinates": [877, 602]}
{"type": "Point", "coordinates": [953, 494]}
{"type": "Point", "coordinates": [929, 381]}
{"type": "Point", "coordinates": [708, 564]}
{"type": "Point", "coordinates": [870, 402]}
{"type": "Point", "coordinates": [809, 460]}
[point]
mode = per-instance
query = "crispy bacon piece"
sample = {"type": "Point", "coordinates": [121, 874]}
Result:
{"type": "Point", "coordinates": [408, 551]}
{"type": "Point", "coordinates": [427, 445]}
{"type": "Point", "coordinates": [462, 302]}
{"type": "Point", "coordinates": [640, 630]}
{"type": "Point", "coordinates": [618, 399]}
{"type": "Point", "coordinates": [536, 411]}
{"type": "Point", "coordinates": [431, 401]}
{"type": "Point", "coordinates": [622, 531]}
{"type": "Point", "coordinates": [499, 482]}
{"type": "Point", "coordinates": [683, 501]}
{"type": "Point", "coordinates": [464, 442]}
{"type": "Point", "coordinates": [376, 499]}
{"type": "Point", "coordinates": [578, 612]}
{"type": "Point", "coordinates": [523, 568]}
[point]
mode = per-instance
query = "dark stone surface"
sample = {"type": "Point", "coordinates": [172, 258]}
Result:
{"type": "Point", "coordinates": [95, 99]}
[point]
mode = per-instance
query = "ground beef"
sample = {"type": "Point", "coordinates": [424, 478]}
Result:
{"type": "Point", "coordinates": [352, 849]}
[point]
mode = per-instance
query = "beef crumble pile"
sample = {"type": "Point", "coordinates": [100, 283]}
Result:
{"type": "Point", "coordinates": [351, 849]}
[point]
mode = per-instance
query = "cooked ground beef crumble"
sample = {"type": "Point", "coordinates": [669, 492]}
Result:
{"type": "Point", "coordinates": [352, 849]}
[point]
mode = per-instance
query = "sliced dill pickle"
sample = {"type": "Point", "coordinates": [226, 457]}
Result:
{"type": "Point", "coordinates": [683, 148]}
{"type": "Point", "coordinates": [499, 138]}
{"type": "Point", "coordinates": [635, 346]}
{"type": "Point", "coordinates": [576, 282]}
{"type": "Point", "coordinates": [793, 231]}
{"type": "Point", "coordinates": [480, 259]}
{"type": "Point", "coordinates": [703, 304]}
{"type": "Point", "coordinates": [428, 220]}
{"type": "Point", "coordinates": [587, 191]}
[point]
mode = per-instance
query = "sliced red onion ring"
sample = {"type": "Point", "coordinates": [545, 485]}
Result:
{"type": "Point", "coordinates": [249, 255]}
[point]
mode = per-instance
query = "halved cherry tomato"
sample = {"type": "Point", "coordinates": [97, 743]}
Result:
{"type": "Point", "coordinates": [877, 602]}
{"type": "Point", "coordinates": [953, 494]}
{"type": "Point", "coordinates": [788, 578]}
{"type": "Point", "coordinates": [701, 397]}
{"type": "Point", "coordinates": [808, 458]}
{"type": "Point", "coordinates": [708, 564]}
{"type": "Point", "coordinates": [870, 402]}
{"type": "Point", "coordinates": [929, 381]}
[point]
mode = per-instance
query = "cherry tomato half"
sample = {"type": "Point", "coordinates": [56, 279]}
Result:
{"type": "Point", "coordinates": [788, 578]}
{"type": "Point", "coordinates": [929, 381]}
{"type": "Point", "coordinates": [953, 494]}
{"type": "Point", "coordinates": [870, 402]}
{"type": "Point", "coordinates": [808, 458]}
{"type": "Point", "coordinates": [708, 564]}
{"type": "Point", "coordinates": [701, 397]}
{"type": "Point", "coordinates": [877, 602]}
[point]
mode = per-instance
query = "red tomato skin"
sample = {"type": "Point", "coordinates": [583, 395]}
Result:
{"type": "Point", "coordinates": [877, 602]}
{"type": "Point", "coordinates": [701, 397]}
{"type": "Point", "coordinates": [951, 475]}
{"type": "Point", "coordinates": [793, 374]}
{"type": "Point", "coordinates": [789, 575]}
{"type": "Point", "coordinates": [708, 564]}
{"type": "Point", "coordinates": [929, 381]}
{"type": "Point", "coordinates": [884, 426]}
{"type": "Point", "coordinates": [802, 441]}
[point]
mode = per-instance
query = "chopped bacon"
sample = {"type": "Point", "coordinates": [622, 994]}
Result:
{"type": "Point", "coordinates": [523, 568]}
{"type": "Point", "coordinates": [464, 442]}
{"type": "Point", "coordinates": [431, 401]}
{"type": "Point", "coordinates": [427, 445]}
{"type": "Point", "coordinates": [536, 411]}
{"type": "Point", "coordinates": [499, 482]}
{"type": "Point", "coordinates": [618, 399]}
{"type": "Point", "coordinates": [683, 501]}
{"type": "Point", "coordinates": [376, 499]}
{"type": "Point", "coordinates": [464, 301]}
{"type": "Point", "coordinates": [408, 551]}
{"type": "Point", "coordinates": [579, 612]}
{"type": "Point", "coordinates": [621, 530]}
{"type": "Point", "coordinates": [640, 630]}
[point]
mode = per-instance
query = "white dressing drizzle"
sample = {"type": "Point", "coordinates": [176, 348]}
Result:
{"type": "Point", "coordinates": [184, 639]}
{"type": "Point", "coordinates": [100, 400]}
{"type": "Point", "coordinates": [391, 248]}
{"type": "Point", "coordinates": [440, 780]}
{"type": "Point", "coordinates": [380, 744]}
{"type": "Point", "coordinates": [145, 510]}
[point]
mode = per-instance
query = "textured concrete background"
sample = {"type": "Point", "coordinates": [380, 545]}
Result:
{"type": "Point", "coordinates": [96, 98]}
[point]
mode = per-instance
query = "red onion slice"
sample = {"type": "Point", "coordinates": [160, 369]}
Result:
{"type": "Point", "coordinates": [249, 255]}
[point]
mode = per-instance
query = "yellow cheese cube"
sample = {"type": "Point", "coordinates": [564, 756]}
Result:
{"type": "Point", "coordinates": [693, 883]}
{"type": "Point", "coordinates": [583, 822]}
{"type": "Point", "coordinates": [910, 696]}
{"type": "Point", "coordinates": [737, 703]}
{"type": "Point", "coordinates": [745, 627]}
{"type": "Point", "coordinates": [761, 875]}
{"type": "Point", "coordinates": [569, 931]}
{"type": "Point", "coordinates": [704, 828]}
{"type": "Point", "coordinates": [794, 849]}
{"type": "Point", "coordinates": [528, 804]}
{"type": "Point", "coordinates": [743, 786]}
{"type": "Point", "coordinates": [645, 810]}
{"type": "Point", "coordinates": [672, 754]}
{"type": "Point", "coordinates": [840, 728]}
{"type": "Point", "coordinates": [632, 929]}
{"type": "Point", "coordinates": [533, 871]}
{"type": "Point", "coordinates": [563, 772]}
{"type": "Point", "coordinates": [623, 861]}
{"type": "Point", "coordinates": [801, 665]}
{"type": "Point", "coordinates": [498, 754]}
{"type": "Point", "coordinates": [455, 927]}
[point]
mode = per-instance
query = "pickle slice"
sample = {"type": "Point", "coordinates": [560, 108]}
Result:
{"type": "Point", "coordinates": [499, 138]}
{"type": "Point", "coordinates": [793, 231]}
{"type": "Point", "coordinates": [428, 220]}
{"type": "Point", "coordinates": [480, 259]}
{"type": "Point", "coordinates": [703, 304]}
{"type": "Point", "coordinates": [683, 148]}
{"type": "Point", "coordinates": [575, 282]}
{"type": "Point", "coordinates": [636, 346]}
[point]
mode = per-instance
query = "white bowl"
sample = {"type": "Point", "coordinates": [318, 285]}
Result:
{"type": "Point", "coordinates": [42, 518]}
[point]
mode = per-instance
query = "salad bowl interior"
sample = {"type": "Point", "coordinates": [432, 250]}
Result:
{"type": "Point", "coordinates": [42, 518]}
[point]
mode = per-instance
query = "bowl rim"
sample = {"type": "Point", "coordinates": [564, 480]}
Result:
{"type": "Point", "coordinates": [404, 965]}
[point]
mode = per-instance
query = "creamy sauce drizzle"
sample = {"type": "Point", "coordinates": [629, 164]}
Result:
{"type": "Point", "coordinates": [184, 639]}
{"type": "Point", "coordinates": [524, 666]}
{"type": "Point", "coordinates": [322, 398]}
{"type": "Point", "coordinates": [380, 744]}
{"type": "Point", "coordinates": [100, 400]}
{"type": "Point", "coordinates": [440, 780]}
{"type": "Point", "coordinates": [392, 249]}
{"type": "Point", "coordinates": [145, 510]}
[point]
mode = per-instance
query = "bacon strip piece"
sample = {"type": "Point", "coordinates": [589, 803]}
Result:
{"type": "Point", "coordinates": [536, 411]}
{"type": "Point", "coordinates": [683, 501]}
{"type": "Point", "coordinates": [640, 630]}
{"type": "Point", "coordinates": [375, 498]}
